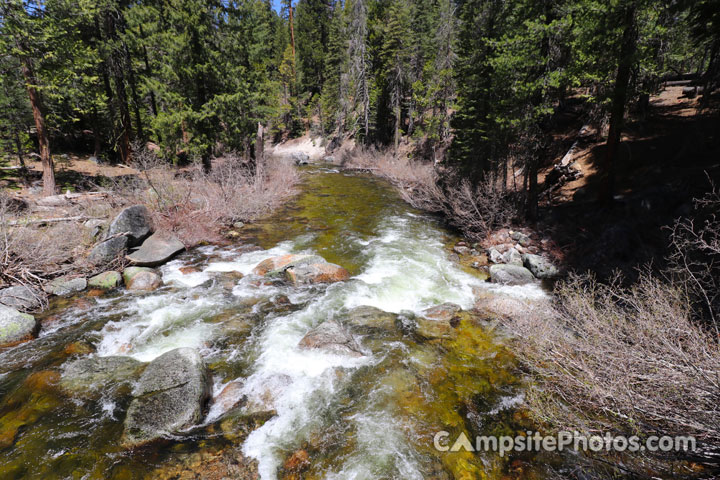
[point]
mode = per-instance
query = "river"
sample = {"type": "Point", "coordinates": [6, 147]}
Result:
{"type": "Point", "coordinates": [349, 417]}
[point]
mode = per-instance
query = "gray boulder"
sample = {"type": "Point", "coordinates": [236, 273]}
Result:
{"type": "Point", "coordinates": [366, 317]}
{"type": "Point", "coordinates": [510, 275]}
{"type": "Point", "coordinates": [494, 255]}
{"type": "Point", "coordinates": [169, 397]}
{"type": "Point", "coordinates": [95, 226]}
{"type": "Point", "coordinates": [63, 287]}
{"type": "Point", "coordinates": [539, 266]}
{"type": "Point", "coordinates": [511, 257]}
{"type": "Point", "coordinates": [156, 250]}
{"type": "Point", "coordinates": [135, 222]}
{"type": "Point", "coordinates": [332, 337]}
{"type": "Point", "coordinates": [439, 321]}
{"type": "Point", "coordinates": [21, 298]}
{"type": "Point", "coordinates": [15, 327]}
{"type": "Point", "coordinates": [96, 374]}
{"type": "Point", "coordinates": [521, 238]}
{"type": "Point", "coordinates": [300, 158]}
{"type": "Point", "coordinates": [141, 278]}
{"type": "Point", "coordinates": [108, 250]}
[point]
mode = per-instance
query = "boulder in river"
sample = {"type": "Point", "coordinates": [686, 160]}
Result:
{"type": "Point", "coordinates": [316, 273]}
{"type": "Point", "coordinates": [134, 222]}
{"type": "Point", "coordinates": [15, 327]}
{"type": "Point", "coordinates": [510, 275]}
{"type": "Point", "coordinates": [108, 250]}
{"type": "Point", "coordinates": [141, 279]}
{"type": "Point", "coordinates": [332, 337]}
{"type": "Point", "coordinates": [106, 281]}
{"type": "Point", "coordinates": [300, 158]}
{"type": "Point", "coordinates": [278, 265]}
{"type": "Point", "coordinates": [541, 267]}
{"type": "Point", "coordinates": [439, 321]}
{"type": "Point", "coordinates": [64, 286]}
{"type": "Point", "coordinates": [96, 374]}
{"type": "Point", "coordinates": [368, 317]}
{"type": "Point", "coordinates": [156, 250]}
{"type": "Point", "coordinates": [169, 397]}
{"type": "Point", "coordinates": [21, 298]}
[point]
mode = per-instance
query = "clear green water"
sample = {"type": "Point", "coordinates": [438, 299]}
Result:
{"type": "Point", "coordinates": [367, 418]}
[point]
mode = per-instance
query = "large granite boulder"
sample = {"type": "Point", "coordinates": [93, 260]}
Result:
{"type": "Point", "coordinates": [156, 250]}
{"type": "Point", "coordinates": [16, 327]}
{"type": "Point", "coordinates": [141, 279]}
{"type": "Point", "coordinates": [134, 222]}
{"type": "Point", "coordinates": [21, 298]}
{"type": "Point", "coordinates": [108, 250]}
{"type": "Point", "coordinates": [64, 286]}
{"type": "Point", "coordinates": [169, 397]}
{"type": "Point", "coordinates": [277, 265]}
{"type": "Point", "coordinates": [106, 281]}
{"type": "Point", "coordinates": [331, 337]}
{"type": "Point", "coordinates": [510, 275]}
{"type": "Point", "coordinates": [541, 267]}
{"type": "Point", "coordinates": [300, 158]}
{"type": "Point", "coordinates": [316, 273]}
{"type": "Point", "coordinates": [96, 374]}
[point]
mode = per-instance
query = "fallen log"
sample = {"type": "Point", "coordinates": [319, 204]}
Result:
{"type": "Point", "coordinates": [40, 221]}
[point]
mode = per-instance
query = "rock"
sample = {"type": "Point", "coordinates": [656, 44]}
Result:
{"type": "Point", "coordinates": [63, 287]}
{"type": "Point", "coordinates": [512, 257]}
{"type": "Point", "coordinates": [262, 400]}
{"type": "Point", "coordinates": [372, 318]}
{"type": "Point", "coordinates": [275, 265]}
{"type": "Point", "coordinates": [135, 222]}
{"type": "Point", "coordinates": [461, 250]}
{"type": "Point", "coordinates": [316, 273]}
{"type": "Point", "coordinates": [439, 321]}
{"type": "Point", "coordinates": [329, 159]}
{"type": "Point", "coordinates": [300, 158]}
{"type": "Point", "coordinates": [496, 305]}
{"type": "Point", "coordinates": [539, 266]}
{"type": "Point", "coordinates": [510, 275]}
{"type": "Point", "coordinates": [21, 298]}
{"type": "Point", "coordinates": [53, 201]}
{"type": "Point", "coordinates": [188, 270]}
{"type": "Point", "coordinates": [16, 327]}
{"type": "Point", "coordinates": [105, 252]}
{"type": "Point", "coordinates": [521, 238]}
{"type": "Point", "coordinates": [79, 348]}
{"type": "Point", "coordinates": [494, 255]}
{"type": "Point", "coordinates": [97, 374]}
{"type": "Point", "coordinates": [142, 279]}
{"type": "Point", "coordinates": [238, 225]}
{"type": "Point", "coordinates": [332, 337]}
{"type": "Point", "coordinates": [95, 226]}
{"type": "Point", "coordinates": [156, 250]}
{"type": "Point", "coordinates": [169, 397]}
{"type": "Point", "coordinates": [230, 397]}
{"type": "Point", "coordinates": [106, 281]}
{"type": "Point", "coordinates": [297, 462]}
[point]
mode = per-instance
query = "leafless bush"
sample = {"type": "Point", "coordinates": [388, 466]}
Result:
{"type": "Point", "coordinates": [32, 254]}
{"type": "Point", "coordinates": [628, 360]}
{"type": "Point", "coordinates": [196, 205]}
{"type": "Point", "coordinates": [476, 210]}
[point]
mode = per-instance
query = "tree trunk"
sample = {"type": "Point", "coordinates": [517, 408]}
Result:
{"type": "Point", "coordinates": [18, 146]}
{"type": "Point", "coordinates": [619, 98]}
{"type": "Point", "coordinates": [43, 142]}
{"type": "Point", "coordinates": [292, 38]}
{"type": "Point", "coordinates": [259, 148]}
{"type": "Point", "coordinates": [135, 98]}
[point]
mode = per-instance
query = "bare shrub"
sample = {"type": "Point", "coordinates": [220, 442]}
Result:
{"type": "Point", "coordinates": [475, 210]}
{"type": "Point", "coordinates": [628, 360]}
{"type": "Point", "coordinates": [196, 205]}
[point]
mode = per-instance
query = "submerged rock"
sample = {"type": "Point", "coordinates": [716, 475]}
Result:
{"type": "Point", "coordinates": [439, 321]}
{"type": "Point", "coordinates": [332, 337]}
{"type": "Point", "coordinates": [156, 250]}
{"type": "Point", "coordinates": [108, 250]}
{"type": "Point", "coordinates": [170, 397]}
{"type": "Point", "coordinates": [134, 222]}
{"type": "Point", "coordinates": [106, 280]}
{"type": "Point", "coordinates": [15, 327]}
{"type": "Point", "coordinates": [316, 273]}
{"type": "Point", "coordinates": [63, 287]}
{"type": "Point", "coordinates": [510, 275]}
{"type": "Point", "coordinates": [539, 266]}
{"type": "Point", "coordinates": [370, 317]}
{"type": "Point", "coordinates": [94, 374]}
{"type": "Point", "coordinates": [141, 279]}
{"type": "Point", "coordinates": [21, 298]}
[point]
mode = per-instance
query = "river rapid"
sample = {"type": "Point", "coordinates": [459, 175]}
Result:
{"type": "Point", "coordinates": [344, 417]}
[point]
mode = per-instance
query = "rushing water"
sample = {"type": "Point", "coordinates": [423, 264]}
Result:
{"type": "Point", "coordinates": [367, 417]}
